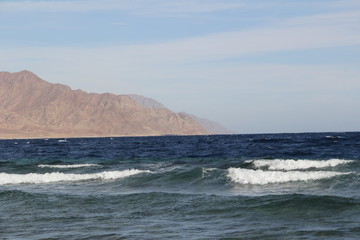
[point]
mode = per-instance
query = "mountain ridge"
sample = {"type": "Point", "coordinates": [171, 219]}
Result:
{"type": "Point", "coordinates": [31, 107]}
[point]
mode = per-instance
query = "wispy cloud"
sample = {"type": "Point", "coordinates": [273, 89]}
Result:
{"type": "Point", "coordinates": [342, 17]}
{"type": "Point", "coordinates": [141, 6]}
{"type": "Point", "coordinates": [292, 34]}
{"type": "Point", "coordinates": [120, 23]}
{"type": "Point", "coordinates": [244, 43]}
{"type": "Point", "coordinates": [192, 53]}
{"type": "Point", "coordinates": [63, 6]}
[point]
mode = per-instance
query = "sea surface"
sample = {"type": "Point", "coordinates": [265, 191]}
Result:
{"type": "Point", "coordinates": [264, 186]}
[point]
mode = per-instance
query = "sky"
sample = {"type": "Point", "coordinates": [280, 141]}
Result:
{"type": "Point", "coordinates": [255, 66]}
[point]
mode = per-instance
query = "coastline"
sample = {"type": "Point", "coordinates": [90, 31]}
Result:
{"type": "Point", "coordinates": [98, 136]}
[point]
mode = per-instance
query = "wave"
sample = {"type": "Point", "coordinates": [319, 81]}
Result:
{"type": "Point", "coordinates": [69, 166]}
{"type": "Point", "coordinates": [333, 137]}
{"type": "Point", "coordinates": [289, 164]}
{"type": "Point", "coordinates": [36, 178]}
{"type": "Point", "coordinates": [260, 177]}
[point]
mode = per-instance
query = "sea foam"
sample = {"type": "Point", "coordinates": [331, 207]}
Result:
{"type": "Point", "coordinates": [35, 178]}
{"type": "Point", "coordinates": [279, 164]}
{"type": "Point", "coordinates": [260, 177]}
{"type": "Point", "coordinates": [69, 166]}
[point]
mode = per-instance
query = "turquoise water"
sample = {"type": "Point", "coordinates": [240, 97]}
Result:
{"type": "Point", "coordinates": [273, 186]}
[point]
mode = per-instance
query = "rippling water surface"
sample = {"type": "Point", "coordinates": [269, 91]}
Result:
{"type": "Point", "coordinates": [265, 186]}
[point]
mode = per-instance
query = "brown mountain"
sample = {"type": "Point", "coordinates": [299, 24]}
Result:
{"type": "Point", "coordinates": [33, 108]}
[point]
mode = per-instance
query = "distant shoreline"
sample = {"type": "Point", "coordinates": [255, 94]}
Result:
{"type": "Point", "coordinates": [166, 135]}
{"type": "Point", "coordinates": [114, 136]}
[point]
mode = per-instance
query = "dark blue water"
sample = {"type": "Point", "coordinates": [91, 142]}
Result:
{"type": "Point", "coordinates": [265, 186]}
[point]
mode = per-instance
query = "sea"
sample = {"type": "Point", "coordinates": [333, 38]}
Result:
{"type": "Point", "coordinates": [254, 186]}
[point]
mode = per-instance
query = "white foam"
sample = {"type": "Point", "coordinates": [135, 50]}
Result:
{"type": "Point", "coordinates": [69, 166]}
{"type": "Point", "coordinates": [249, 176]}
{"type": "Point", "coordinates": [35, 178]}
{"type": "Point", "coordinates": [289, 164]}
{"type": "Point", "coordinates": [332, 137]}
{"type": "Point", "coordinates": [206, 171]}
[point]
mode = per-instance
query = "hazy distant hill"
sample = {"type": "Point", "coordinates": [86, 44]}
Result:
{"type": "Point", "coordinates": [31, 107]}
{"type": "Point", "coordinates": [209, 125]}
{"type": "Point", "coordinates": [146, 102]}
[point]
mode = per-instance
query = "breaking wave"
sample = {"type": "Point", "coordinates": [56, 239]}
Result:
{"type": "Point", "coordinates": [69, 166]}
{"type": "Point", "coordinates": [279, 164]}
{"type": "Point", "coordinates": [35, 178]}
{"type": "Point", "coordinates": [260, 177]}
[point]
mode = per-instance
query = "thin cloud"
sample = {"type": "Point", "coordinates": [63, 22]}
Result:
{"type": "Point", "coordinates": [244, 43]}
{"type": "Point", "coordinates": [343, 17]}
{"type": "Point", "coordinates": [63, 6]}
{"type": "Point", "coordinates": [141, 6]}
{"type": "Point", "coordinates": [205, 49]}
{"type": "Point", "coordinates": [120, 23]}
{"type": "Point", "coordinates": [229, 45]}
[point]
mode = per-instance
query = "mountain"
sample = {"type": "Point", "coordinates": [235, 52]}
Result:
{"type": "Point", "coordinates": [33, 108]}
{"type": "Point", "coordinates": [146, 102]}
{"type": "Point", "coordinates": [209, 125]}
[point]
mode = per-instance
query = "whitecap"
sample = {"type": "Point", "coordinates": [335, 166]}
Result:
{"type": "Point", "coordinates": [36, 178]}
{"type": "Point", "coordinates": [332, 137]}
{"type": "Point", "coordinates": [260, 177]}
{"type": "Point", "coordinates": [289, 164]}
{"type": "Point", "coordinates": [69, 166]}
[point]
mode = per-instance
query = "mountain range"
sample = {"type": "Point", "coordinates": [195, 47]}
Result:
{"type": "Point", "coordinates": [33, 108]}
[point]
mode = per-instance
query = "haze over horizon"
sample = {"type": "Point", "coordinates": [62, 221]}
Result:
{"type": "Point", "coordinates": [269, 66]}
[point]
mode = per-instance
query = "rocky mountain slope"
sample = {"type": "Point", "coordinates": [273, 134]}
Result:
{"type": "Point", "coordinates": [33, 108]}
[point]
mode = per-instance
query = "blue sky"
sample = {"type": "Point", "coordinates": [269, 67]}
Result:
{"type": "Point", "coordinates": [254, 66]}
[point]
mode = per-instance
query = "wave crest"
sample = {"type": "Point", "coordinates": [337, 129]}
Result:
{"type": "Point", "coordinates": [289, 164]}
{"type": "Point", "coordinates": [260, 177]}
{"type": "Point", "coordinates": [69, 166]}
{"type": "Point", "coordinates": [35, 178]}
